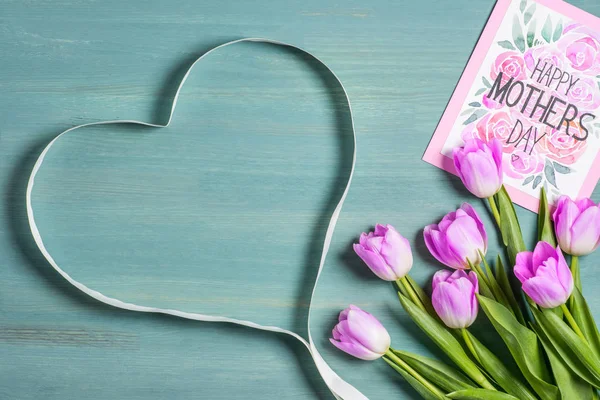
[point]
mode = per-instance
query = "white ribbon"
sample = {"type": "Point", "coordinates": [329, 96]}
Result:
{"type": "Point", "coordinates": [340, 388]}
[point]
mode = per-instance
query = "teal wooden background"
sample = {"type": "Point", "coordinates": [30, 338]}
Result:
{"type": "Point", "coordinates": [225, 211]}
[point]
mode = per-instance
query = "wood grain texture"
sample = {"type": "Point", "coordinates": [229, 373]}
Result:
{"type": "Point", "coordinates": [224, 212]}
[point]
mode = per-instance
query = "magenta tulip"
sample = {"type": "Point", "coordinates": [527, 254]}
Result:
{"type": "Point", "coordinates": [458, 237]}
{"type": "Point", "coordinates": [479, 166]}
{"type": "Point", "coordinates": [360, 334]}
{"type": "Point", "coordinates": [545, 275]}
{"type": "Point", "coordinates": [577, 225]}
{"type": "Point", "coordinates": [386, 252]}
{"type": "Point", "coordinates": [454, 297]}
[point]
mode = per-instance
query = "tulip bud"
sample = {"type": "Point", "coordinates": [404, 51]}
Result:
{"type": "Point", "coordinates": [360, 334]}
{"type": "Point", "coordinates": [386, 252]}
{"type": "Point", "coordinates": [545, 275]}
{"type": "Point", "coordinates": [577, 225]}
{"type": "Point", "coordinates": [458, 237]}
{"type": "Point", "coordinates": [454, 299]}
{"type": "Point", "coordinates": [479, 166]}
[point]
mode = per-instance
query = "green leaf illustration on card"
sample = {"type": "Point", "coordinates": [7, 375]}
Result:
{"type": "Point", "coordinates": [475, 116]}
{"type": "Point", "coordinates": [528, 180]}
{"type": "Point", "coordinates": [481, 91]}
{"type": "Point", "coordinates": [547, 30]}
{"type": "Point", "coordinates": [523, 5]}
{"type": "Point", "coordinates": [475, 104]}
{"type": "Point", "coordinates": [537, 181]}
{"type": "Point", "coordinates": [549, 173]}
{"type": "Point", "coordinates": [561, 169]}
{"type": "Point", "coordinates": [558, 31]}
{"type": "Point", "coordinates": [486, 82]}
{"type": "Point", "coordinates": [517, 33]}
{"type": "Point", "coordinates": [529, 14]}
{"type": "Point", "coordinates": [468, 111]}
{"type": "Point", "coordinates": [506, 44]}
{"type": "Point", "coordinates": [531, 34]}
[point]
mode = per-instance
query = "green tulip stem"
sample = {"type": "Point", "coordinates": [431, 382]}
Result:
{"type": "Point", "coordinates": [575, 271]}
{"type": "Point", "coordinates": [494, 209]}
{"type": "Point", "coordinates": [400, 363]}
{"type": "Point", "coordinates": [572, 322]}
{"type": "Point", "coordinates": [411, 293]}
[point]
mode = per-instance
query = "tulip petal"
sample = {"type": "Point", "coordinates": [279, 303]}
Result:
{"type": "Point", "coordinates": [564, 216]}
{"type": "Point", "coordinates": [479, 173]}
{"type": "Point", "coordinates": [368, 331]}
{"type": "Point", "coordinates": [344, 313]}
{"type": "Point", "coordinates": [464, 239]}
{"type": "Point", "coordinates": [458, 274]}
{"type": "Point", "coordinates": [397, 253]}
{"type": "Point", "coordinates": [374, 243]}
{"type": "Point", "coordinates": [440, 276]}
{"type": "Point", "coordinates": [363, 239]}
{"type": "Point", "coordinates": [545, 292]}
{"type": "Point", "coordinates": [496, 147]}
{"type": "Point", "coordinates": [438, 247]}
{"type": "Point", "coordinates": [447, 220]}
{"type": "Point", "coordinates": [451, 305]}
{"type": "Point", "coordinates": [584, 204]}
{"type": "Point", "coordinates": [524, 266]}
{"type": "Point", "coordinates": [381, 230]}
{"type": "Point", "coordinates": [585, 232]}
{"type": "Point", "coordinates": [466, 207]}
{"type": "Point", "coordinates": [356, 350]}
{"type": "Point", "coordinates": [542, 252]}
{"type": "Point", "coordinates": [563, 272]}
{"type": "Point", "coordinates": [472, 277]}
{"type": "Point", "coordinates": [375, 262]}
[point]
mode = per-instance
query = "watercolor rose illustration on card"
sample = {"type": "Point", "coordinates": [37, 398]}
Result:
{"type": "Point", "coordinates": [539, 98]}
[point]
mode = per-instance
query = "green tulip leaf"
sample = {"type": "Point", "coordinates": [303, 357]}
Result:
{"type": "Point", "coordinates": [509, 225]}
{"type": "Point", "coordinates": [571, 386]}
{"type": "Point", "coordinates": [422, 296]}
{"type": "Point", "coordinates": [480, 394]}
{"type": "Point", "coordinates": [443, 339]}
{"type": "Point", "coordinates": [576, 353]}
{"type": "Point", "coordinates": [545, 227]}
{"type": "Point", "coordinates": [494, 286]}
{"type": "Point", "coordinates": [508, 381]}
{"type": "Point", "coordinates": [584, 318]}
{"type": "Point", "coordinates": [423, 390]}
{"type": "Point", "coordinates": [484, 289]}
{"type": "Point", "coordinates": [502, 279]}
{"type": "Point", "coordinates": [524, 346]}
{"type": "Point", "coordinates": [437, 372]}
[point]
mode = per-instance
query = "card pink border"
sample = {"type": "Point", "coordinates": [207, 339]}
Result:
{"type": "Point", "coordinates": [433, 153]}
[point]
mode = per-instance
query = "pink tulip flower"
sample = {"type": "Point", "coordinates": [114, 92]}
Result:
{"type": "Point", "coordinates": [577, 225]}
{"type": "Point", "coordinates": [459, 237]}
{"type": "Point", "coordinates": [479, 166]}
{"type": "Point", "coordinates": [386, 252]}
{"type": "Point", "coordinates": [360, 334]}
{"type": "Point", "coordinates": [545, 275]}
{"type": "Point", "coordinates": [454, 297]}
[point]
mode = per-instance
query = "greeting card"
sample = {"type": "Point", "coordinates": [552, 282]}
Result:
{"type": "Point", "coordinates": [533, 82]}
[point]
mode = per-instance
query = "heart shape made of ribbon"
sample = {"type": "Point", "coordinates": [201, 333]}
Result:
{"type": "Point", "coordinates": [340, 388]}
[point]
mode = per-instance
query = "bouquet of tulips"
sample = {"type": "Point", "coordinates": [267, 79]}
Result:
{"type": "Point", "coordinates": [536, 307]}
